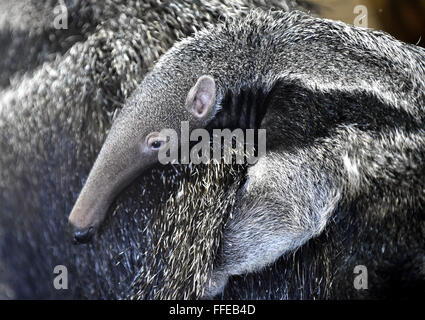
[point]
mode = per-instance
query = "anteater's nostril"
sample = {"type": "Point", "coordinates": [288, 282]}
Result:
{"type": "Point", "coordinates": [83, 236]}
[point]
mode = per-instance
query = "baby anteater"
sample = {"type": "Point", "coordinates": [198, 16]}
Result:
{"type": "Point", "coordinates": [337, 128]}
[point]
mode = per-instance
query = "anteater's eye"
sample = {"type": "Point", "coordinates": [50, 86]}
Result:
{"type": "Point", "coordinates": [155, 145]}
{"type": "Point", "coordinates": [155, 141]}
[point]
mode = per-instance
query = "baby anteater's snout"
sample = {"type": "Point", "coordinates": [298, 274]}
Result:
{"type": "Point", "coordinates": [80, 236]}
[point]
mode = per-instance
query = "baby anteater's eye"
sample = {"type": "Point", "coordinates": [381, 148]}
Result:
{"type": "Point", "coordinates": [155, 141]}
{"type": "Point", "coordinates": [156, 144]}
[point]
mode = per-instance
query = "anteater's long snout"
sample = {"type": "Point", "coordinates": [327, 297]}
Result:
{"type": "Point", "coordinates": [116, 166]}
{"type": "Point", "coordinates": [82, 230]}
{"type": "Point", "coordinates": [88, 213]}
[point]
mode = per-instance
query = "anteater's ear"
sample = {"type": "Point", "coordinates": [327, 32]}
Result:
{"type": "Point", "coordinates": [201, 97]}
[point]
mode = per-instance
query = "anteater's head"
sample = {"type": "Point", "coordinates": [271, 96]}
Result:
{"type": "Point", "coordinates": [137, 137]}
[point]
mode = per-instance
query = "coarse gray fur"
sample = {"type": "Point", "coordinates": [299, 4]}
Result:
{"type": "Point", "coordinates": [293, 191]}
{"type": "Point", "coordinates": [364, 171]}
{"type": "Point", "coordinates": [55, 111]}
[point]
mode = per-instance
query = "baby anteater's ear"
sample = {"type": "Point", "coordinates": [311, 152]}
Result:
{"type": "Point", "coordinates": [201, 97]}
